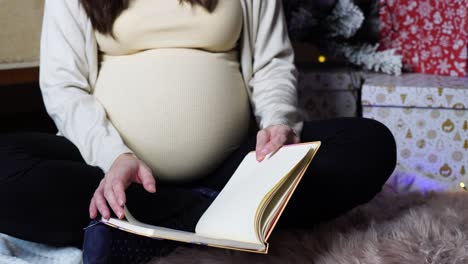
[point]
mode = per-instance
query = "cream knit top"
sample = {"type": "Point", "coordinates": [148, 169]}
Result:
{"type": "Point", "coordinates": [171, 84]}
{"type": "Point", "coordinates": [69, 71]}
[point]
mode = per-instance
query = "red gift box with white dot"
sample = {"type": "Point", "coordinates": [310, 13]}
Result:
{"type": "Point", "coordinates": [432, 35]}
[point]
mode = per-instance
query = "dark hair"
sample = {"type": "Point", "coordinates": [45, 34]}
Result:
{"type": "Point", "coordinates": [103, 13]}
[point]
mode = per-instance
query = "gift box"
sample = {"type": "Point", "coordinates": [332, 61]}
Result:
{"type": "Point", "coordinates": [428, 116]}
{"type": "Point", "coordinates": [328, 92]}
{"type": "Point", "coordinates": [430, 34]}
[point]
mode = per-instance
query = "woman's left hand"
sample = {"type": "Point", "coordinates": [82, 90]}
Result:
{"type": "Point", "coordinates": [272, 138]}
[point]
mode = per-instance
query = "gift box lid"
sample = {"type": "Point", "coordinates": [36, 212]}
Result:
{"type": "Point", "coordinates": [415, 90]}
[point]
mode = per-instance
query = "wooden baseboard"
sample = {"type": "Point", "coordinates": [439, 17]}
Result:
{"type": "Point", "coordinates": [19, 91]}
{"type": "Point", "coordinates": [19, 76]}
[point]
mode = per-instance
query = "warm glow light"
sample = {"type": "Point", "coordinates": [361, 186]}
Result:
{"type": "Point", "coordinates": [462, 184]}
{"type": "Point", "coordinates": [322, 59]}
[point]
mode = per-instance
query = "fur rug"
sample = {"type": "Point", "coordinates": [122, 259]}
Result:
{"type": "Point", "coordinates": [390, 229]}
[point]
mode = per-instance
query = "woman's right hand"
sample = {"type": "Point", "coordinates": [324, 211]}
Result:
{"type": "Point", "coordinates": [125, 170]}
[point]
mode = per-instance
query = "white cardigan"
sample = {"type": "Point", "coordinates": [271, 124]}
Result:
{"type": "Point", "coordinates": [69, 68]}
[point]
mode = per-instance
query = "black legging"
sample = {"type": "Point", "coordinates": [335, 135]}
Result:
{"type": "Point", "coordinates": [46, 187]}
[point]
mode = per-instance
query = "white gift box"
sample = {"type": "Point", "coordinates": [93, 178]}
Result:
{"type": "Point", "coordinates": [428, 116]}
{"type": "Point", "coordinates": [327, 93]}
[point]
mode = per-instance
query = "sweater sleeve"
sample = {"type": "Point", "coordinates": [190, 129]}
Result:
{"type": "Point", "coordinates": [64, 84]}
{"type": "Point", "coordinates": [274, 80]}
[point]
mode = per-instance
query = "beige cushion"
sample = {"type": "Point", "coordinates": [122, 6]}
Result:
{"type": "Point", "coordinates": [20, 24]}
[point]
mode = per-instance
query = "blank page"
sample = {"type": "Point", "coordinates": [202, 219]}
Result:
{"type": "Point", "coordinates": [232, 214]}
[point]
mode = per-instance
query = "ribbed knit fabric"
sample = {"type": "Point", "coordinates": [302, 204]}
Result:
{"type": "Point", "coordinates": [151, 24]}
{"type": "Point", "coordinates": [69, 72]}
{"type": "Point", "coordinates": [171, 84]}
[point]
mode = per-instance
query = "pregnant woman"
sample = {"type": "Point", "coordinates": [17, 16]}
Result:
{"type": "Point", "coordinates": [156, 99]}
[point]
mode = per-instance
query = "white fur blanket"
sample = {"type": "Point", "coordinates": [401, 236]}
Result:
{"type": "Point", "coordinates": [16, 251]}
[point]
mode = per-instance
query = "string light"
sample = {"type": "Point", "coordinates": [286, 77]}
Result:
{"type": "Point", "coordinates": [322, 59]}
{"type": "Point", "coordinates": [462, 185]}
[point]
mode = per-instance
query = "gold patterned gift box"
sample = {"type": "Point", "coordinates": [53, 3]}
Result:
{"type": "Point", "coordinates": [328, 92]}
{"type": "Point", "coordinates": [429, 118]}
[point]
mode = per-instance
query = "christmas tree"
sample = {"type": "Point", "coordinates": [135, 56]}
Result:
{"type": "Point", "coordinates": [341, 28]}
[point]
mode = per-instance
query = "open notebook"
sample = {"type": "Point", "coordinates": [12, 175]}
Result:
{"type": "Point", "coordinates": [245, 212]}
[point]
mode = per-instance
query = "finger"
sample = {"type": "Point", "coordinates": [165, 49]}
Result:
{"type": "Point", "coordinates": [99, 201]}
{"type": "Point", "coordinates": [262, 139]}
{"type": "Point", "coordinates": [276, 142]}
{"type": "Point", "coordinates": [147, 179]}
{"type": "Point", "coordinates": [293, 138]}
{"type": "Point", "coordinates": [101, 204]}
{"type": "Point", "coordinates": [268, 148]}
{"type": "Point", "coordinates": [296, 139]}
{"type": "Point", "coordinates": [119, 191]}
{"type": "Point", "coordinates": [92, 209]}
{"type": "Point", "coordinates": [112, 201]}
{"type": "Point", "coordinates": [279, 140]}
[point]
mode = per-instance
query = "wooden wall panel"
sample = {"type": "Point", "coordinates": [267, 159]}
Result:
{"type": "Point", "coordinates": [19, 76]}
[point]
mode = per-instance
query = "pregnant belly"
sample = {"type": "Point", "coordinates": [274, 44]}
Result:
{"type": "Point", "coordinates": [182, 111]}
